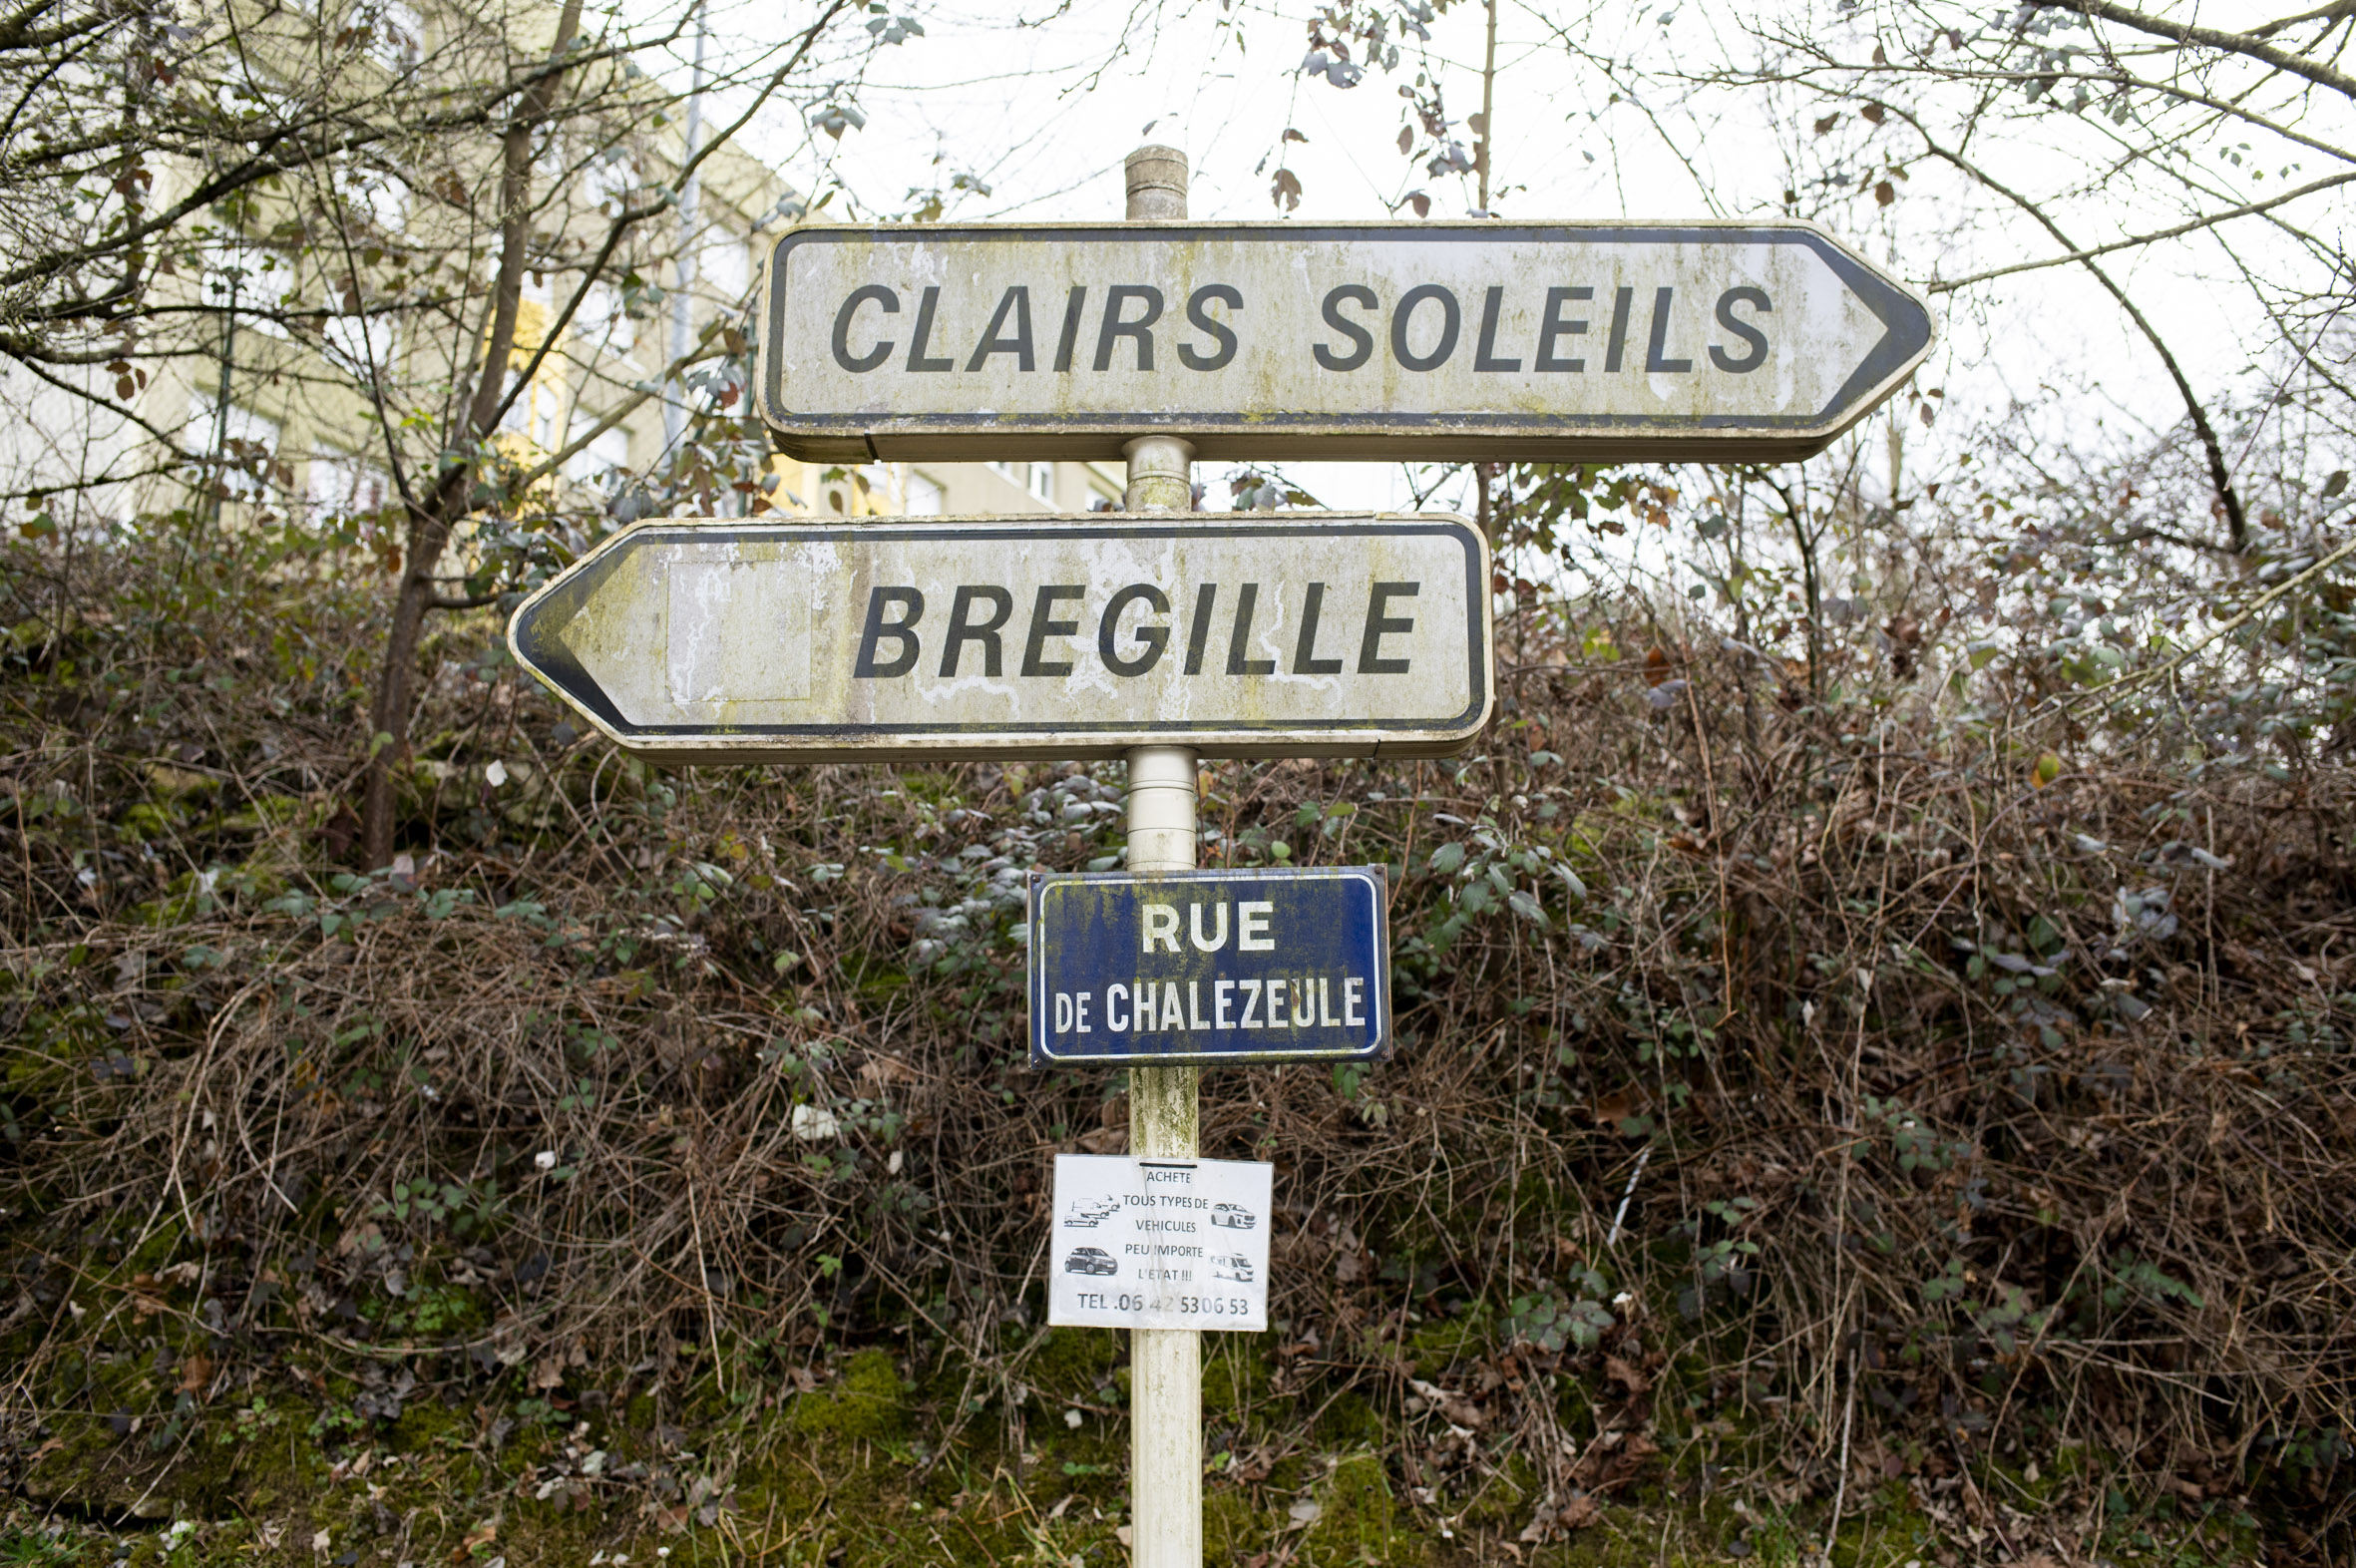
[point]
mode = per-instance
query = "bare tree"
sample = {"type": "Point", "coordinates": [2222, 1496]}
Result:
{"type": "Point", "coordinates": [2111, 131]}
{"type": "Point", "coordinates": [412, 227]}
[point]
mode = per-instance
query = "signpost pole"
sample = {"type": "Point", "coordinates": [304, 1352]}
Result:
{"type": "Point", "coordinates": [1165, 1364]}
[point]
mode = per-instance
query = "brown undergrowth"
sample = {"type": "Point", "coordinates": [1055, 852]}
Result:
{"type": "Point", "coordinates": [1817, 1095]}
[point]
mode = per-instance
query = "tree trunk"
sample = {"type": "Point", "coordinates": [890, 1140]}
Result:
{"type": "Point", "coordinates": [431, 523]}
{"type": "Point", "coordinates": [388, 715]}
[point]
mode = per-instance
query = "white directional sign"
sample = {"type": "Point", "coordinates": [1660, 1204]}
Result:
{"type": "Point", "coordinates": [1318, 634]}
{"type": "Point", "coordinates": [1159, 1243]}
{"type": "Point", "coordinates": [1377, 341]}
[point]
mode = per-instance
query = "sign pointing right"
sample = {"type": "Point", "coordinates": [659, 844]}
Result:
{"type": "Point", "coordinates": [1611, 342]}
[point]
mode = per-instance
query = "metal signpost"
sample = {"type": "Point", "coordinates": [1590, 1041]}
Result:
{"type": "Point", "coordinates": [1163, 639]}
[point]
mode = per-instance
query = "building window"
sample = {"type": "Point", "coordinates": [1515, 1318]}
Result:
{"type": "Point", "coordinates": [1036, 478]}
{"type": "Point", "coordinates": [359, 343]}
{"type": "Point", "coordinates": [257, 282]}
{"type": "Point", "coordinates": [252, 444]}
{"type": "Point", "coordinates": [606, 455]}
{"type": "Point", "coordinates": [724, 266]}
{"type": "Point", "coordinates": [339, 485]}
{"type": "Point", "coordinates": [395, 32]}
{"type": "Point", "coordinates": [604, 321]}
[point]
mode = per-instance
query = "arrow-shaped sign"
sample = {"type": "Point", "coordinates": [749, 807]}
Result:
{"type": "Point", "coordinates": [1319, 634]}
{"type": "Point", "coordinates": [1261, 340]}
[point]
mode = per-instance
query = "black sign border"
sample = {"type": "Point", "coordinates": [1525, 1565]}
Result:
{"type": "Point", "coordinates": [565, 596]}
{"type": "Point", "coordinates": [1376, 878]}
{"type": "Point", "coordinates": [1880, 295]}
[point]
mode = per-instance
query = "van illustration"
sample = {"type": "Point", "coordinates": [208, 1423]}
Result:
{"type": "Point", "coordinates": [1233, 1266]}
{"type": "Point", "coordinates": [1085, 1212]}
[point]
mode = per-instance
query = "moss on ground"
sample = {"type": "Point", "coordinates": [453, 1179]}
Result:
{"type": "Point", "coordinates": [869, 1403]}
{"type": "Point", "coordinates": [856, 1473]}
{"type": "Point", "coordinates": [1071, 1364]}
{"type": "Point", "coordinates": [1359, 1520]}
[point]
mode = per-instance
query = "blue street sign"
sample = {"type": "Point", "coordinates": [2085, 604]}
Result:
{"type": "Point", "coordinates": [1210, 966]}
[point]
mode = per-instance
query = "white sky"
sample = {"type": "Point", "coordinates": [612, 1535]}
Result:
{"type": "Point", "coordinates": [1041, 102]}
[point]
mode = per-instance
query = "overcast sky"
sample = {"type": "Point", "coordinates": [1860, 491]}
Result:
{"type": "Point", "coordinates": [1039, 103]}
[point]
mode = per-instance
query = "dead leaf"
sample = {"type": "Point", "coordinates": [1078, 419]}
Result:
{"type": "Point", "coordinates": [194, 1373]}
{"type": "Point", "coordinates": [366, 1237]}
{"type": "Point", "coordinates": [146, 1302]}
{"type": "Point", "coordinates": [1617, 1108]}
{"type": "Point", "coordinates": [1618, 1370]}
{"type": "Point", "coordinates": [880, 1070]}
{"type": "Point", "coordinates": [1575, 1512]}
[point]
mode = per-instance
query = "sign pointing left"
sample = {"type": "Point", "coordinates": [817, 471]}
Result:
{"type": "Point", "coordinates": [1318, 634]}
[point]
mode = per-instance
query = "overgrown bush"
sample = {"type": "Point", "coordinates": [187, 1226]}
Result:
{"type": "Point", "coordinates": [1869, 1074]}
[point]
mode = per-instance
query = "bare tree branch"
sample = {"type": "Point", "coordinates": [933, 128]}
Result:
{"type": "Point", "coordinates": [2186, 33]}
{"type": "Point", "coordinates": [2209, 221]}
{"type": "Point", "coordinates": [2236, 522]}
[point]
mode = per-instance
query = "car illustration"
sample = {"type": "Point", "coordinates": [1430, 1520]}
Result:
{"type": "Point", "coordinates": [1090, 1259]}
{"type": "Point", "coordinates": [1233, 1266]}
{"type": "Point", "coordinates": [1085, 1212]}
{"type": "Point", "coordinates": [1234, 1216]}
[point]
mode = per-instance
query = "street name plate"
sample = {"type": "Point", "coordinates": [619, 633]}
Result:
{"type": "Point", "coordinates": [1160, 1244]}
{"type": "Point", "coordinates": [1464, 340]}
{"type": "Point", "coordinates": [1319, 634]}
{"type": "Point", "coordinates": [1210, 966]}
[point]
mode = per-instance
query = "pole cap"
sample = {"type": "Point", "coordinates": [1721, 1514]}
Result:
{"type": "Point", "coordinates": [1156, 182]}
